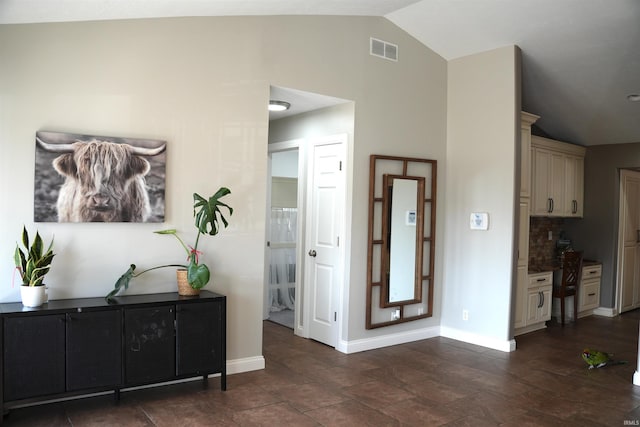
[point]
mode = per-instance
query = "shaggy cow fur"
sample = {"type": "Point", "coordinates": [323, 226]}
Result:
{"type": "Point", "coordinates": [104, 183]}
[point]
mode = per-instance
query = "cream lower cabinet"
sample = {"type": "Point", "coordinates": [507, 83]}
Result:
{"type": "Point", "coordinates": [589, 291]}
{"type": "Point", "coordinates": [538, 305]}
{"type": "Point", "coordinates": [533, 301]}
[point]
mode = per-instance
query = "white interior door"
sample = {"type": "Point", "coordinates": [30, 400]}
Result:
{"type": "Point", "coordinates": [629, 241]}
{"type": "Point", "coordinates": [325, 213]}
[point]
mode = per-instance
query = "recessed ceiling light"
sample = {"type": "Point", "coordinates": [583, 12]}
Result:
{"type": "Point", "coordinates": [634, 97]}
{"type": "Point", "coordinates": [278, 105]}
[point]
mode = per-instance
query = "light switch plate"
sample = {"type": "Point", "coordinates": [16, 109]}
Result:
{"type": "Point", "coordinates": [479, 221]}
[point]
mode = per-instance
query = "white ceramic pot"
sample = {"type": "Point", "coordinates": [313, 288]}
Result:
{"type": "Point", "coordinates": [33, 296]}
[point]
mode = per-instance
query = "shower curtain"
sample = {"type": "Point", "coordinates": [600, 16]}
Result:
{"type": "Point", "coordinates": [282, 271]}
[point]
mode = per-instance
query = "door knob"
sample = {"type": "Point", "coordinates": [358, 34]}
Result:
{"type": "Point", "coordinates": [312, 253]}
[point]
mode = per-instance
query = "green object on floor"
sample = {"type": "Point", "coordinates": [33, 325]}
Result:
{"type": "Point", "coordinates": [599, 359]}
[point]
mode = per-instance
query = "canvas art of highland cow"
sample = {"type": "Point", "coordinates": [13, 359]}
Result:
{"type": "Point", "coordinates": [85, 178]}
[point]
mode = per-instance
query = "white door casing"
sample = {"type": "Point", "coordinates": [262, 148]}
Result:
{"type": "Point", "coordinates": [325, 224]}
{"type": "Point", "coordinates": [628, 274]}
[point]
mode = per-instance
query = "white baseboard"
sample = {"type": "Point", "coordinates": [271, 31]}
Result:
{"type": "Point", "coordinates": [605, 311]}
{"type": "Point", "coordinates": [481, 340]}
{"type": "Point", "coordinates": [372, 343]}
{"type": "Point", "coordinates": [238, 366]}
{"type": "Point", "coordinates": [636, 378]}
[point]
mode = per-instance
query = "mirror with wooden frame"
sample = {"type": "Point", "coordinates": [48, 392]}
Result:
{"type": "Point", "coordinates": [401, 240]}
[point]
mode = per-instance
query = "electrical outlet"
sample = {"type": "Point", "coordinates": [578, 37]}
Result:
{"type": "Point", "coordinates": [550, 235]}
{"type": "Point", "coordinates": [395, 314]}
{"type": "Point", "coordinates": [465, 314]}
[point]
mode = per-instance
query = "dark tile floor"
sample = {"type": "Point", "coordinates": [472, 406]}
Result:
{"type": "Point", "coordinates": [427, 383]}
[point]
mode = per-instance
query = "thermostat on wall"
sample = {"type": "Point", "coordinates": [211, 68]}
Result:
{"type": "Point", "coordinates": [479, 221]}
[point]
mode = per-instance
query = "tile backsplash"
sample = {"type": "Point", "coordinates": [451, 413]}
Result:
{"type": "Point", "coordinates": [542, 251]}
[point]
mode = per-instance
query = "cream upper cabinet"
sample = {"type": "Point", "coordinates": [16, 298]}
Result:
{"type": "Point", "coordinates": [574, 185]}
{"type": "Point", "coordinates": [526, 120]}
{"type": "Point", "coordinates": [548, 182]}
{"type": "Point", "coordinates": [557, 178]}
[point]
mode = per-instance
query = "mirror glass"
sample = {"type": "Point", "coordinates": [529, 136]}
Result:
{"type": "Point", "coordinates": [404, 208]}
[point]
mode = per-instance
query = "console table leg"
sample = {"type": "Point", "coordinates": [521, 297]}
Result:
{"type": "Point", "coordinates": [116, 395]}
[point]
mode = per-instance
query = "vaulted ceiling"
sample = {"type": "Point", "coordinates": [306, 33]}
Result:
{"type": "Point", "coordinates": [581, 58]}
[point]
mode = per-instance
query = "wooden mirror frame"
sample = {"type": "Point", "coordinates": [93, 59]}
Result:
{"type": "Point", "coordinates": [385, 267]}
{"type": "Point", "coordinates": [378, 306]}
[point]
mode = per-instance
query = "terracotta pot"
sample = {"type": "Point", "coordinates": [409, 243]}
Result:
{"type": "Point", "coordinates": [184, 288]}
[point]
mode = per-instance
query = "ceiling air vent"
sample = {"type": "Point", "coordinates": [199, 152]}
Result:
{"type": "Point", "coordinates": [383, 49]}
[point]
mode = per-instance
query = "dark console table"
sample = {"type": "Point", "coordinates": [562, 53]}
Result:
{"type": "Point", "coordinates": [80, 346]}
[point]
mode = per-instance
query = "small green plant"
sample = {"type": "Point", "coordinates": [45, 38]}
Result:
{"type": "Point", "coordinates": [208, 220]}
{"type": "Point", "coordinates": [34, 262]}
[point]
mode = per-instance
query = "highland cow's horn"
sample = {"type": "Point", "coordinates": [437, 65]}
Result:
{"type": "Point", "coordinates": [55, 148]}
{"type": "Point", "coordinates": [142, 151]}
{"type": "Point", "coordinates": [68, 148]}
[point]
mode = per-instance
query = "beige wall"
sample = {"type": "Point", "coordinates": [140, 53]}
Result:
{"type": "Point", "coordinates": [202, 84]}
{"type": "Point", "coordinates": [482, 131]}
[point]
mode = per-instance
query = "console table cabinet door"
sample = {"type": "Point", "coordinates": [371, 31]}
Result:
{"type": "Point", "coordinates": [34, 353]}
{"type": "Point", "coordinates": [149, 344]}
{"type": "Point", "coordinates": [68, 348]}
{"type": "Point", "coordinates": [94, 349]}
{"type": "Point", "coordinates": [199, 340]}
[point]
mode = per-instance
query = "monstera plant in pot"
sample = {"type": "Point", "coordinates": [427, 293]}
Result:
{"type": "Point", "coordinates": [33, 264]}
{"type": "Point", "coordinates": [194, 276]}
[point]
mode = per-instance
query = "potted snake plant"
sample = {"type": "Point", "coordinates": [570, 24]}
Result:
{"type": "Point", "coordinates": [33, 263]}
{"type": "Point", "coordinates": [209, 219]}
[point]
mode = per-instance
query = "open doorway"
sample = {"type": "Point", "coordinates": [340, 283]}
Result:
{"type": "Point", "coordinates": [628, 261]}
{"type": "Point", "coordinates": [312, 137]}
